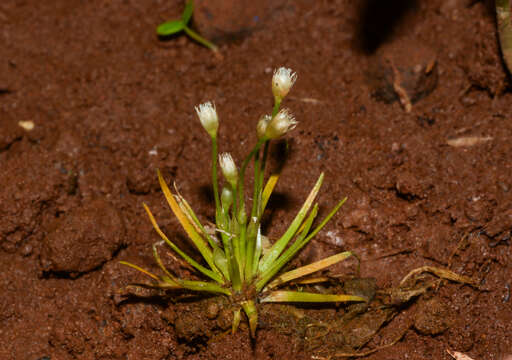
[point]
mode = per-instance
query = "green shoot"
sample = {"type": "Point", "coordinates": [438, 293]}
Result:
{"type": "Point", "coordinates": [236, 259]}
{"type": "Point", "coordinates": [176, 26]}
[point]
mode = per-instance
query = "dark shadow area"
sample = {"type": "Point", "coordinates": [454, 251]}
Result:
{"type": "Point", "coordinates": [490, 6]}
{"type": "Point", "coordinates": [378, 19]}
{"type": "Point", "coordinates": [278, 155]}
{"type": "Point", "coordinates": [206, 192]}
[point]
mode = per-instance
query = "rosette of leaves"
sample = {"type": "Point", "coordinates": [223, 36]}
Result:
{"type": "Point", "coordinates": [239, 262]}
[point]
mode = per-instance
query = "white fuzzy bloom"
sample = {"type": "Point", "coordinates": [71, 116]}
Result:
{"type": "Point", "coordinates": [280, 124]}
{"type": "Point", "coordinates": [208, 117]}
{"type": "Point", "coordinates": [228, 167]}
{"type": "Point", "coordinates": [262, 125]}
{"type": "Point", "coordinates": [282, 81]}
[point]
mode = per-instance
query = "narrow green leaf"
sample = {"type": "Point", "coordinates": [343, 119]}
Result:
{"type": "Point", "coordinates": [219, 257]}
{"type": "Point", "coordinates": [204, 286]}
{"type": "Point", "coordinates": [289, 253]}
{"type": "Point", "coordinates": [252, 314]}
{"type": "Point", "coordinates": [308, 269]}
{"type": "Point", "coordinates": [170, 27]}
{"type": "Point", "coordinates": [187, 13]}
{"type": "Point", "coordinates": [296, 246]}
{"type": "Point", "coordinates": [257, 252]}
{"type": "Point", "coordinates": [151, 275]}
{"type": "Point", "coordinates": [198, 241]}
{"type": "Point", "coordinates": [267, 191]}
{"type": "Point", "coordinates": [191, 215]}
{"type": "Point", "coordinates": [326, 219]}
{"type": "Point", "coordinates": [279, 246]}
{"type": "Point", "coordinates": [251, 248]}
{"type": "Point", "coordinates": [161, 264]}
{"type": "Point", "coordinates": [236, 320]}
{"type": "Point", "coordinates": [213, 275]}
{"type": "Point", "coordinates": [243, 249]}
{"type": "Point", "coordinates": [297, 296]}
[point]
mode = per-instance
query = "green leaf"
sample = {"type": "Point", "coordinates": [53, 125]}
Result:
{"type": "Point", "coordinates": [219, 258]}
{"type": "Point", "coordinates": [170, 27]}
{"type": "Point", "coordinates": [265, 276]}
{"type": "Point", "coordinates": [187, 13]}
{"type": "Point", "coordinates": [198, 241]}
{"type": "Point", "coordinates": [212, 275]}
{"type": "Point", "coordinates": [151, 275]}
{"type": "Point", "coordinates": [269, 187]}
{"type": "Point", "coordinates": [296, 296]}
{"type": "Point", "coordinates": [252, 314]}
{"type": "Point", "coordinates": [279, 246]}
{"type": "Point", "coordinates": [309, 269]}
{"type": "Point", "coordinates": [297, 245]}
{"type": "Point", "coordinates": [204, 286]}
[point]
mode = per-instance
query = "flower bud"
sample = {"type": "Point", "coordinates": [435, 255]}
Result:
{"type": "Point", "coordinates": [228, 167]}
{"type": "Point", "coordinates": [226, 198]}
{"type": "Point", "coordinates": [282, 81]}
{"type": "Point", "coordinates": [280, 124]}
{"type": "Point", "coordinates": [208, 117]}
{"type": "Point", "coordinates": [262, 125]}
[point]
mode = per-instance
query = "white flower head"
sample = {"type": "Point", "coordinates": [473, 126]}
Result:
{"type": "Point", "coordinates": [262, 125]}
{"type": "Point", "coordinates": [208, 117]}
{"type": "Point", "coordinates": [282, 81]}
{"type": "Point", "coordinates": [228, 167]}
{"type": "Point", "coordinates": [280, 124]}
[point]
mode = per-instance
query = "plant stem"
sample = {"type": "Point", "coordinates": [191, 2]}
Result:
{"type": "Point", "coordinates": [243, 251]}
{"type": "Point", "coordinates": [241, 203]}
{"type": "Point", "coordinates": [200, 39]}
{"type": "Point", "coordinates": [277, 104]}
{"type": "Point", "coordinates": [255, 201]}
{"type": "Point", "coordinates": [260, 180]}
{"type": "Point", "coordinates": [214, 177]}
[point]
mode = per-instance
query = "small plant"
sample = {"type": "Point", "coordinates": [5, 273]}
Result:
{"type": "Point", "coordinates": [175, 26]}
{"type": "Point", "coordinates": [239, 261]}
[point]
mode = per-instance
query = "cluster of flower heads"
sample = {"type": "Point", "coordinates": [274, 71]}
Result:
{"type": "Point", "coordinates": [269, 127]}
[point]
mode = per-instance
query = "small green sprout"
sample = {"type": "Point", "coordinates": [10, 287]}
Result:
{"type": "Point", "coordinates": [239, 262]}
{"type": "Point", "coordinates": [175, 26]}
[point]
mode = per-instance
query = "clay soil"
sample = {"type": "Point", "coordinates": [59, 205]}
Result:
{"type": "Point", "coordinates": [426, 167]}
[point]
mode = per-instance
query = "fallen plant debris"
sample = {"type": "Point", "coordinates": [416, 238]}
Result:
{"type": "Point", "coordinates": [458, 355]}
{"type": "Point", "coordinates": [350, 333]}
{"type": "Point", "coordinates": [468, 141]}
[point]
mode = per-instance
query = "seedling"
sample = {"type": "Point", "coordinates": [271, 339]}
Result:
{"type": "Point", "coordinates": [238, 263]}
{"type": "Point", "coordinates": [175, 26]}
